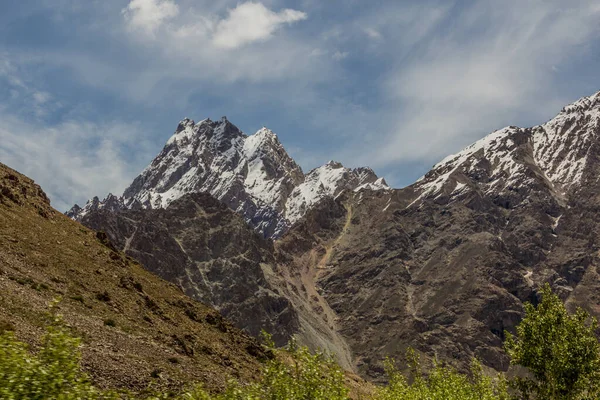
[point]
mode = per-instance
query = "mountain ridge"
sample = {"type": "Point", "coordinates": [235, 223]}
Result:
{"type": "Point", "coordinates": [445, 265]}
{"type": "Point", "coordinates": [253, 175]}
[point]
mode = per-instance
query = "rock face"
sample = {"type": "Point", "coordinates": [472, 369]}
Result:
{"type": "Point", "coordinates": [443, 266]}
{"type": "Point", "coordinates": [208, 251]}
{"type": "Point", "coordinates": [253, 175]}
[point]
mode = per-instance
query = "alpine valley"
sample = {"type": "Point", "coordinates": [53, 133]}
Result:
{"type": "Point", "coordinates": [341, 261]}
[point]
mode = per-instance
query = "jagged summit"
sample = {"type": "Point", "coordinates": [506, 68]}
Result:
{"type": "Point", "coordinates": [329, 180]}
{"type": "Point", "coordinates": [443, 265]}
{"type": "Point", "coordinates": [253, 175]}
{"type": "Point", "coordinates": [583, 104]}
{"type": "Point", "coordinates": [556, 154]}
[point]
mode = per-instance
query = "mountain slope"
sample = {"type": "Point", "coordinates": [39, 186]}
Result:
{"type": "Point", "coordinates": [253, 175]}
{"type": "Point", "coordinates": [445, 264]}
{"type": "Point", "coordinates": [136, 328]}
{"type": "Point", "coordinates": [208, 250]}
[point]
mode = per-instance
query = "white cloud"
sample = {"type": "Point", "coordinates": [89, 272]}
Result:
{"type": "Point", "coordinates": [149, 15]}
{"type": "Point", "coordinates": [42, 103]}
{"type": "Point", "coordinates": [212, 43]}
{"type": "Point", "coordinates": [247, 23]}
{"type": "Point", "coordinates": [495, 67]}
{"type": "Point", "coordinates": [41, 97]}
{"type": "Point", "coordinates": [317, 52]}
{"type": "Point", "coordinates": [372, 33]}
{"type": "Point", "coordinates": [340, 55]}
{"type": "Point", "coordinates": [8, 71]}
{"type": "Point", "coordinates": [74, 160]}
{"type": "Point", "coordinates": [250, 22]}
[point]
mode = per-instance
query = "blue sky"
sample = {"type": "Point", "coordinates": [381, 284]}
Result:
{"type": "Point", "coordinates": [90, 90]}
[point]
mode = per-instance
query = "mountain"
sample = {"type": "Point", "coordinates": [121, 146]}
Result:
{"type": "Point", "coordinates": [253, 175]}
{"type": "Point", "coordinates": [210, 252]}
{"type": "Point", "coordinates": [443, 266]}
{"type": "Point", "coordinates": [137, 329]}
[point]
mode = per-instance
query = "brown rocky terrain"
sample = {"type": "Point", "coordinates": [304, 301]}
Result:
{"type": "Point", "coordinates": [137, 329]}
{"type": "Point", "coordinates": [446, 264]}
{"type": "Point", "coordinates": [209, 252]}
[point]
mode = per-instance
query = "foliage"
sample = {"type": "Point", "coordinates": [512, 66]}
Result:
{"type": "Point", "coordinates": [442, 383]}
{"type": "Point", "coordinates": [560, 350]}
{"type": "Point", "coordinates": [303, 376]}
{"type": "Point", "coordinates": [53, 372]}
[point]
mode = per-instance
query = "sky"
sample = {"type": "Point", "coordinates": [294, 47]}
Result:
{"type": "Point", "coordinates": [90, 90]}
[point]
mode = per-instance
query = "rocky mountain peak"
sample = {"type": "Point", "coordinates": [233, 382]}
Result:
{"type": "Point", "coordinates": [266, 132]}
{"type": "Point", "coordinates": [329, 180]}
{"type": "Point", "coordinates": [334, 164]}
{"type": "Point", "coordinates": [582, 105]}
{"type": "Point", "coordinates": [253, 175]}
{"type": "Point", "coordinates": [183, 124]}
{"type": "Point", "coordinates": [555, 155]}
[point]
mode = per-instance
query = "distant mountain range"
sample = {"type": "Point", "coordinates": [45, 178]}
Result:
{"type": "Point", "coordinates": [443, 265]}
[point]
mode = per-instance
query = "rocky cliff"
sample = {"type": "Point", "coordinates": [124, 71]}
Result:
{"type": "Point", "coordinates": [443, 265]}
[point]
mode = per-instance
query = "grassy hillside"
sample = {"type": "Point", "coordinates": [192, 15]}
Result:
{"type": "Point", "coordinates": [137, 329]}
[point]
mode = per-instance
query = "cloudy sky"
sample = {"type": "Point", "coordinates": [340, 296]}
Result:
{"type": "Point", "coordinates": [90, 90]}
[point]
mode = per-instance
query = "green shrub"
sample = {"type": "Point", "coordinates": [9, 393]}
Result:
{"type": "Point", "coordinates": [442, 383]}
{"type": "Point", "coordinates": [78, 298]}
{"type": "Point", "coordinates": [52, 373]}
{"type": "Point", "coordinates": [304, 376]}
{"type": "Point", "coordinates": [6, 326]}
{"type": "Point", "coordinates": [561, 351]}
{"type": "Point", "coordinates": [110, 322]}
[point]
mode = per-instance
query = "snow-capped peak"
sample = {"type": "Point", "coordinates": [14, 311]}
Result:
{"type": "Point", "coordinates": [329, 180]}
{"type": "Point", "coordinates": [266, 132]}
{"type": "Point", "coordinates": [253, 175]}
{"type": "Point", "coordinates": [333, 164]}
{"type": "Point", "coordinates": [582, 105]}
{"type": "Point", "coordinates": [558, 150]}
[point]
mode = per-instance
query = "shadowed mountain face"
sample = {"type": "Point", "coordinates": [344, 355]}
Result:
{"type": "Point", "coordinates": [137, 329]}
{"type": "Point", "coordinates": [443, 266]}
{"type": "Point", "coordinates": [208, 251]}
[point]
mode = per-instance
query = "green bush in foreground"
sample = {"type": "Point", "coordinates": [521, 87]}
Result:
{"type": "Point", "coordinates": [561, 351]}
{"type": "Point", "coordinates": [442, 383]}
{"type": "Point", "coordinates": [52, 373]}
{"type": "Point", "coordinates": [303, 376]}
